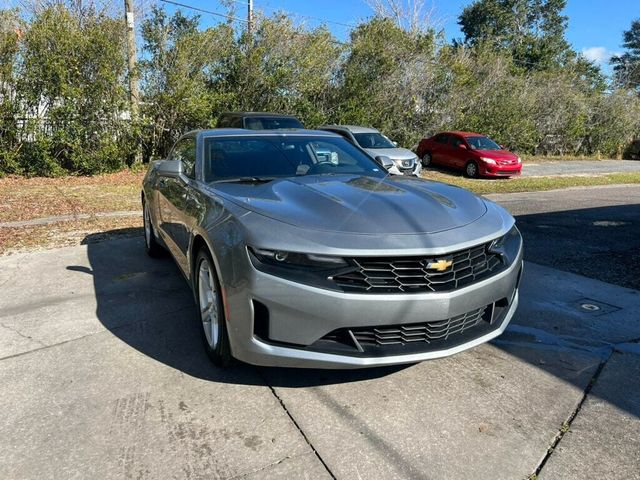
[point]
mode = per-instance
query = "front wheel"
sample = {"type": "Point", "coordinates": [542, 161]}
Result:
{"type": "Point", "coordinates": [471, 169]}
{"type": "Point", "coordinates": [426, 159]}
{"type": "Point", "coordinates": [211, 311]}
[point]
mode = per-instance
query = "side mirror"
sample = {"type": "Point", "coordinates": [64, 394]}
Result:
{"type": "Point", "coordinates": [501, 147]}
{"type": "Point", "coordinates": [170, 168]}
{"type": "Point", "coordinates": [462, 146]}
{"type": "Point", "coordinates": [395, 144]}
{"type": "Point", "coordinates": [385, 161]}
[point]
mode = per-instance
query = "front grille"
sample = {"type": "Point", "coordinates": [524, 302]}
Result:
{"type": "Point", "coordinates": [413, 275]}
{"type": "Point", "coordinates": [419, 332]}
{"type": "Point", "coordinates": [406, 339]}
{"type": "Point", "coordinates": [507, 172]}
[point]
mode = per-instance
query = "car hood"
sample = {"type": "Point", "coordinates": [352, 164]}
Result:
{"type": "Point", "coordinates": [392, 153]}
{"type": "Point", "coordinates": [497, 154]}
{"type": "Point", "coordinates": [358, 204]}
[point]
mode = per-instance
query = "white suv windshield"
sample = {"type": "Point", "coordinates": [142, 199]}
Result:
{"type": "Point", "coordinates": [373, 140]}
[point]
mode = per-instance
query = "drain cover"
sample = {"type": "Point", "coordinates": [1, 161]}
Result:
{"type": "Point", "coordinates": [594, 307]}
{"type": "Point", "coordinates": [590, 307]}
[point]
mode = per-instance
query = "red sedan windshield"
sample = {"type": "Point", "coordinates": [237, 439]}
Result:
{"type": "Point", "coordinates": [482, 143]}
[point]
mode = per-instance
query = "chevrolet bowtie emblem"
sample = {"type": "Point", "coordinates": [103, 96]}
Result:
{"type": "Point", "coordinates": [440, 265]}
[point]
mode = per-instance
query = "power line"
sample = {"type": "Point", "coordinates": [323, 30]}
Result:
{"type": "Point", "coordinates": [228, 17]}
{"type": "Point", "coordinates": [274, 9]}
{"type": "Point", "coordinates": [324, 20]}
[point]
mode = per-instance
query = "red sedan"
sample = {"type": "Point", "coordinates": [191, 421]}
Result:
{"type": "Point", "coordinates": [474, 153]}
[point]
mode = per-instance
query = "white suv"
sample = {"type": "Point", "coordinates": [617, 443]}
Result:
{"type": "Point", "coordinates": [376, 144]}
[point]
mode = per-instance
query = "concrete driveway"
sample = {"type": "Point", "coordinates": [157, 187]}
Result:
{"type": "Point", "coordinates": [103, 376]}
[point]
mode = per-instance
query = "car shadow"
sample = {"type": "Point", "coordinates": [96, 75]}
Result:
{"type": "Point", "coordinates": [147, 304]}
{"type": "Point", "coordinates": [454, 172]}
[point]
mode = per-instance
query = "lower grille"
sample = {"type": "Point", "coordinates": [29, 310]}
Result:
{"type": "Point", "coordinates": [419, 332]}
{"type": "Point", "coordinates": [404, 339]}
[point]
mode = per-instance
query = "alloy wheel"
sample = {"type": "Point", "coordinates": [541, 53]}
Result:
{"type": "Point", "coordinates": [208, 303]}
{"type": "Point", "coordinates": [472, 170]}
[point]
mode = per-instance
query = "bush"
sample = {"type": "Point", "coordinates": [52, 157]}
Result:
{"type": "Point", "coordinates": [64, 100]}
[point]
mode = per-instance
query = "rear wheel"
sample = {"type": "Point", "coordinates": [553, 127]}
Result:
{"type": "Point", "coordinates": [426, 159]}
{"type": "Point", "coordinates": [153, 248]}
{"type": "Point", "coordinates": [471, 169]}
{"type": "Point", "coordinates": [211, 311]}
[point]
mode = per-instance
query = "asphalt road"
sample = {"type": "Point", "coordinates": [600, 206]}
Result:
{"type": "Point", "coordinates": [103, 376]}
{"type": "Point", "coordinates": [579, 167]}
{"type": "Point", "coordinates": [592, 231]}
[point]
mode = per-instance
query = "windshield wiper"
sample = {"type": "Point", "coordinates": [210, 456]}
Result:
{"type": "Point", "coordinates": [246, 180]}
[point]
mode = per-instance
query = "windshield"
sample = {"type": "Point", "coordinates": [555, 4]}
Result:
{"type": "Point", "coordinates": [482, 143]}
{"type": "Point", "coordinates": [259, 157]}
{"type": "Point", "coordinates": [271, 123]}
{"type": "Point", "coordinates": [373, 140]}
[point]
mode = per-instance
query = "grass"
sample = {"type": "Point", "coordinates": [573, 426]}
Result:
{"type": "Point", "coordinates": [32, 198]}
{"type": "Point", "coordinates": [559, 158]}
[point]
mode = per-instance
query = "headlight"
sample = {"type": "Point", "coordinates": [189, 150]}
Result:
{"type": "Point", "coordinates": [294, 259]}
{"type": "Point", "coordinates": [307, 268]}
{"type": "Point", "coordinates": [507, 246]}
{"type": "Point", "coordinates": [519, 160]}
{"type": "Point", "coordinates": [488, 160]}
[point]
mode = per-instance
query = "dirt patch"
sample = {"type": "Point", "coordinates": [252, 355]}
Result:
{"type": "Point", "coordinates": [27, 198]}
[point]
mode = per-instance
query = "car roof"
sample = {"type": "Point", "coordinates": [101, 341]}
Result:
{"type": "Point", "coordinates": [258, 114]}
{"type": "Point", "coordinates": [462, 134]}
{"type": "Point", "coordinates": [241, 132]}
{"type": "Point", "coordinates": [351, 128]}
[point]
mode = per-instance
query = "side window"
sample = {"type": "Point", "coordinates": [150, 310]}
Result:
{"type": "Point", "coordinates": [456, 141]}
{"type": "Point", "coordinates": [442, 139]}
{"type": "Point", "coordinates": [185, 151]}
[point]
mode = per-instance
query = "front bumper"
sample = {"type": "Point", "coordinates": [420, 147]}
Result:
{"type": "Point", "coordinates": [414, 169]}
{"type": "Point", "coordinates": [510, 170]}
{"type": "Point", "coordinates": [299, 315]}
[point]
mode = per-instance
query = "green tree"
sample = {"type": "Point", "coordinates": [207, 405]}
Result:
{"type": "Point", "coordinates": [179, 66]}
{"type": "Point", "coordinates": [285, 68]}
{"type": "Point", "coordinates": [72, 93]}
{"type": "Point", "coordinates": [626, 67]}
{"type": "Point", "coordinates": [532, 30]}
{"type": "Point", "coordinates": [10, 32]}
{"type": "Point", "coordinates": [387, 78]}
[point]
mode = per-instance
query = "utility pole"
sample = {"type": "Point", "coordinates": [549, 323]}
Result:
{"type": "Point", "coordinates": [134, 92]}
{"type": "Point", "coordinates": [249, 17]}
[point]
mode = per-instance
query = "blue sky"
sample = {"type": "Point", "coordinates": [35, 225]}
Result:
{"type": "Point", "coordinates": [595, 26]}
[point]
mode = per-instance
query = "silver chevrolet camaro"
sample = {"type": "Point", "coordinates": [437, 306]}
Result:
{"type": "Point", "coordinates": [302, 251]}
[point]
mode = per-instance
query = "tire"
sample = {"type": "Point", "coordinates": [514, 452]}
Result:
{"type": "Point", "coordinates": [426, 159]}
{"type": "Point", "coordinates": [153, 248]}
{"type": "Point", "coordinates": [471, 169]}
{"type": "Point", "coordinates": [211, 310]}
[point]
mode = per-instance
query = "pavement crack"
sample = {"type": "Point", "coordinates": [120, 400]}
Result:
{"type": "Point", "coordinates": [273, 464]}
{"type": "Point", "coordinates": [295, 423]}
{"type": "Point", "coordinates": [27, 337]}
{"type": "Point", "coordinates": [566, 425]}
